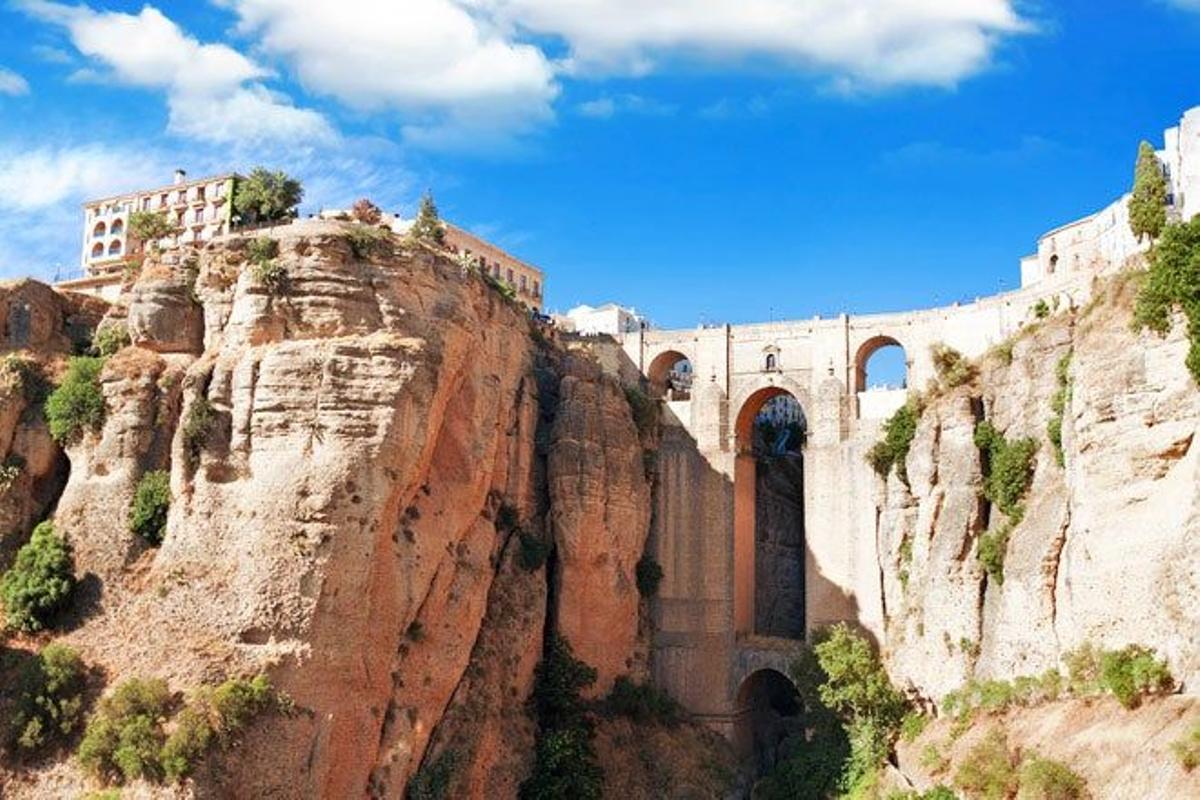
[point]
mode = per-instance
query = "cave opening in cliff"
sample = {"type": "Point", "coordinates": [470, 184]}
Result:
{"type": "Point", "coordinates": [769, 524]}
{"type": "Point", "coordinates": [768, 713]}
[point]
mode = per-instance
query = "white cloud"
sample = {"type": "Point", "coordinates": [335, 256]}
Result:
{"type": "Point", "coordinates": [212, 90]}
{"type": "Point", "coordinates": [871, 42]}
{"type": "Point", "coordinates": [11, 83]}
{"type": "Point", "coordinates": [451, 72]}
{"type": "Point", "coordinates": [609, 106]}
{"type": "Point", "coordinates": [34, 179]}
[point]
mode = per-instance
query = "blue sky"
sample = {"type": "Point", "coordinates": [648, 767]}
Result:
{"type": "Point", "coordinates": [708, 160]}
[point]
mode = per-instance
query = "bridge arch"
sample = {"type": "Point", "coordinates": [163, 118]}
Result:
{"type": "Point", "coordinates": [868, 350]}
{"type": "Point", "coordinates": [670, 375]}
{"type": "Point", "coordinates": [768, 709]}
{"type": "Point", "coordinates": [769, 517]}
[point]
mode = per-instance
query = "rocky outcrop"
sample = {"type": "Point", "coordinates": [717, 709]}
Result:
{"type": "Point", "coordinates": [341, 447]}
{"type": "Point", "coordinates": [1109, 547]}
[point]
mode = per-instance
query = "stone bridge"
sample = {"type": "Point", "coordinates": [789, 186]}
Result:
{"type": "Point", "coordinates": [708, 646]}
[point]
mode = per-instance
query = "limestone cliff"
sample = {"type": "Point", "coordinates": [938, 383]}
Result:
{"type": "Point", "coordinates": [1108, 550]}
{"type": "Point", "coordinates": [345, 440]}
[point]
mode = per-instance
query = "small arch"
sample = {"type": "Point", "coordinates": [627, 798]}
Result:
{"type": "Point", "coordinates": [1053, 265]}
{"type": "Point", "coordinates": [97, 250]}
{"type": "Point", "coordinates": [769, 711]}
{"type": "Point", "coordinates": [771, 362]}
{"type": "Point", "coordinates": [114, 249]}
{"type": "Point", "coordinates": [118, 228]}
{"type": "Point", "coordinates": [671, 375]}
{"type": "Point", "coordinates": [881, 363]}
{"type": "Point", "coordinates": [99, 230]}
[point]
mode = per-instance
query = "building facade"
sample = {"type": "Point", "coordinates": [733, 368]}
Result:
{"type": "Point", "coordinates": [610, 319]}
{"type": "Point", "coordinates": [527, 280]}
{"type": "Point", "coordinates": [1103, 241]}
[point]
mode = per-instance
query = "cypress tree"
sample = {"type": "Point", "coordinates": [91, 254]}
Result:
{"type": "Point", "coordinates": [428, 226]}
{"type": "Point", "coordinates": [1148, 205]}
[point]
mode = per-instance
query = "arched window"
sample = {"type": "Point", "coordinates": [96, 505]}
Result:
{"type": "Point", "coordinates": [97, 250]}
{"type": "Point", "coordinates": [670, 376]}
{"type": "Point", "coordinates": [99, 230]}
{"type": "Point", "coordinates": [1053, 264]}
{"type": "Point", "coordinates": [771, 362]}
{"type": "Point", "coordinates": [114, 249]}
{"type": "Point", "coordinates": [118, 228]}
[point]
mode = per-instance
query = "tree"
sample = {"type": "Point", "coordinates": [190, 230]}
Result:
{"type": "Point", "coordinates": [428, 226]}
{"type": "Point", "coordinates": [265, 196]}
{"type": "Point", "coordinates": [1148, 205]}
{"type": "Point", "coordinates": [149, 227]}
{"type": "Point", "coordinates": [366, 212]}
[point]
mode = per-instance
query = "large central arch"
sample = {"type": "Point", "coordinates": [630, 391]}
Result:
{"type": "Point", "coordinates": [748, 515]}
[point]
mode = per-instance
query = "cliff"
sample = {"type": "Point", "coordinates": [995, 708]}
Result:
{"type": "Point", "coordinates": [360, 441]}
{"type": "Point", "coordinates": [1108, 549]}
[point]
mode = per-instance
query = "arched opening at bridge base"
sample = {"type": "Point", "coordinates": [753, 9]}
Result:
{"type": "Point", "coordinates": [769, 528]}
{"type": "Point", "coordinates": [768, 713]}
{"type": "Point", "coordinates": [670, 375]}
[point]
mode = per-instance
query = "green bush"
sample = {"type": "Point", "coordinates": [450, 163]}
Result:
{"type": "Point", "coordinates": [936, 793]}
{"type": "Point", "coordinates": [432, 780]}
{"type": "Point", "coordinates": [196, 428]}
{"type": "Point", "coordinates": [124, 737]}
{"type": "Point", "coordinates": [1041, 309]}
{"type": "Point", "coordinates": [49, 698]}
{"type": "Point", "coordinates": [564, 760]}
{"type": "Point", "coordinates": [1008, 469]}
{"type": "Point", "coordinates": [1187, 749]}
{"type": "Point", "coordinates": [952, 367]}
{"type": "Point", "coordinates": [367, 241]}
{"type": "Point", "coordinates": [534, 551]}
{"type": "Point", "coordinates": [644, 410]}
{"type": "Point", "coordinates": [78, 402]}
{"type": "Point", "coordinates": [1058, 405]}
{"type": "Point", "coordinates": [988, 771]}
{"type": "Point", "coordinates": [1134, 672]}
{"type": "Point", "coordinates": [151, 226]}
{"type": "Point", "coordinates": [151, 501]}
{"type": "Point", "coordinates": [641, 702]}
{"type": "Point", "coordinates": [913, 725]}
{"type": "Point", "coordinates": [649, 575]}
{"type": "Point", "coordinates": [110, 339]}
{"type": "Point", "coordinates": [1173, 282]}
{"type": "Point", "coordinates": [187, 744]}
{"type": "Point", "coordinates": [40, 582]}
{"type": "Point", "coordinates": [262, 253]}
{"type": "Point", "coordinates": [933, 760]}
{"type": "Point", "coordinates": [1044, 779]}
{"type": "Point", "coordinates": [27, 376]}
{"type": "Point", "coordinates": [892, 449]}
{"type": "Point", "coordinates": [265, 196]}
{"type": "Point", "coordinates": [993, 546]}
{"type": "Point", "coordinates": [237, 701]}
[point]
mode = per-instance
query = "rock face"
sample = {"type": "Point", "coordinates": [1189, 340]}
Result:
{"type": "Point", "coordinates": [1109, 547]}
{"type": "Point", "coordinates": [779, 546]}
{"type": "Point", "coordinates": [334, 522]}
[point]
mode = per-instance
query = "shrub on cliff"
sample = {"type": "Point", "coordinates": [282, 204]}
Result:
{"type": "Point", "coordinates": [78, 402]}
{"type": "Point", "coordinates": [1008, 468]}
{"type": "Point", "coordinates": [432, 780]}
{"type": "Point", "coordinates": [196, 428]}
{"type": "Point", "coordinates": [27, 377]}
{"type": "Point", "coordinates": [151, 501]}
{"type": "Point", "coordinates": [367, 241]}
{"type": "Point", "coordinates": [534, 550]}
{"type": "Point", "coordinates": [641, 702]}
{"type": "Point", "coordinates": [643, 408]}
{"type": "Point", "coordinates": [1173, 282]}
{"type": "Point", "coordinates": [110, 339]}
{"type": "Point", "coordinates": [1046, 779]}
{"type": "Point", "coordinates": [892, 449]}
{"type": "Point", "coordinates": [1058, 405]}
{"type": "Point", "coordinates": [1148, 202]}
{"type": "Point", "coordinates": [952, 367]}
{"type": "Point", "coordinates": [40, 582]}
{"type": "Point", "coordinates": [1187, 749]}
{"type": "Point", "coordinates": [989, 770]}
{"type": "Point", "coordinates": [123, 738]}
{"type": "Point", "coordinates": [49, 699]}
{"type": "Point", "coordinates": [1133, 672]}
{"type": "Point", "coordinates": [649, 575]}
{"type": "Point", "coordinates": [564, 759]}
{"type": "Point", "coordinates": [213, 715]}
{"type": "Point", "coordinates": [266, 196]}
{"type": "Point", "coordinates": [366, 212]}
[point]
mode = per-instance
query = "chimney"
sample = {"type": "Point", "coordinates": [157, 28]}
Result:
{"type": "Point", "coordinates": [180, 176]}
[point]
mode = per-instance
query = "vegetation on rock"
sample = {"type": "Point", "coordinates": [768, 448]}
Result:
{"type": "Point", "coordinates": [534, 550]}
{"type": "Point", "coordinates": [432, 780]}
{"type": "Point", "coordinates": [49, 699]}
{"type": "Point", "coordinates": [1173, 282]}
{"type": "Point", "coordinates": [641, 702]}
{"type": "Point", "coordinates": [1187, 749]}
{"type": "Point", "coordinates": [952, 367]}
{"type": "Point", "coordinates": [1058, 405]}
{"type": "Point", "coordinates": [149, 227]}
{"type": "Point", "coordinates": [649, 575]}
{"type": "Point", "coordinates": [77, 404]}
{"type": "Point", "coordinates": [565, 759]}
{"type": "Point", "coordinates": [644, 410]}
{"type": "Point", "coordinates": [40, 582]}
{"type": "Point", "coordinates": [367, 240]}
{"type": "Point", "coordinates": [1046, 779]}
{"type": "Point", "coordinates": [1007, 471]}
{"type": "Point", "coordinates": [196, 428]}
{"type": "Point", "coordinates": [266, 196]}
{"type": "Point", "coordinates": [892, 449]}
{"type": "Point", "coordinates": [1148, 203]}
{"type": "Point", "coordinates": [989, 769]}
{"type": "Point", "coordinates": [27, 377]}
{"type": "Point", "coordinates": [110, 339]}
{"type": "Point", "coordinates": [428, 225]}
{"type": "Point", "coordinates": [267, 272]}
{"type": "Point", "coordinates": [366, 212]}
{"type": "Point", "coordinates": [151, 501]}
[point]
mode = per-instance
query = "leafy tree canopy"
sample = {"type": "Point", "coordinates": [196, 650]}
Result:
{"type": "Point", "coordinates": [266, 196]}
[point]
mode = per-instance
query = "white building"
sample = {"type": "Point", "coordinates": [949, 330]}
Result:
{"type": "Point", "coordinates": [1103, 241]}
{"type": "Point", "coordinates": [609, 318]}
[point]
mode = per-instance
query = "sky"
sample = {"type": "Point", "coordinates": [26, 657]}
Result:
{"type": "Point", "coordinates": [702, 160]}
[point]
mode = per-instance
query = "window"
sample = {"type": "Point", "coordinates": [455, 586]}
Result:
{"type": "Point", "coordinates": [97, 250]}
{"type": "Point", "coordinates": [146, 203]}
{"type": "Point", "coordinates": [219, 190]}
{"type": "Point", "coordinates": [496, 271]}
{"type": "Point", "coordinates": [523, 286]}
{"type": "Point", "coordinates": [1053, 264]}
{"type": "Point", "coordinates": [99, 230]}
{"type": "Point", "coordinates": [198, 215]}
{"type": "Point", "coordinates": [199, 192]}
{"type": "Point", "coordinates": [771, 362]}
{"type": "Point", "coordinates": [114, 249]}
{"type": "Point", "coordinates": [118, 228]}
{"type": "Point", "coordinates": [510, 276]}
{"type": "Point", "coordinates": [537, 289]}
{"type": "Point", "coordinates": [162, 200]}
